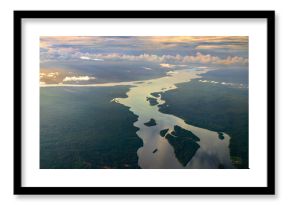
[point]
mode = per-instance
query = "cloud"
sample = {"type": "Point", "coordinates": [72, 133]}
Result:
{"type": "Point", "coordinates": [203, 81]}
{"type": "Point", "coordinates": [48, 75]}
{"type": "Point", "coordinates": [146, 68]}
{"type": "Point", "coordinates": [209, 59]}
{"type": "Point", "coordinates": [159, 49]}
{"type": "Point", "coordinates": [88, 58]}
{"type": "Point", "coordinates": [78, 78]}
{"type": "Point", "coordinates": [237, 85]}
{"type": "Point", "coordinates": [208, 81]}
{"type": "Point", "coordinates": [48, 41]}
{"type": "Point", "coordinates": [166, 65]}
{"type": "Point", "coordinates": [229, 47]}
{"type": "Point", "coordinates": [85, 58]}
{"type": "Point", "coordinates": [165, 59]}
{"type": "Point", "coordinates": [197, 39]}
{"type": "Point", "coordinates": [160, 59]}
{"type": "Point", "coordinates": [171, 72]}
{"type": "Point", "coordinates": [202, 67]}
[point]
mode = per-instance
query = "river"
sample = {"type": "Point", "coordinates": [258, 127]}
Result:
{"type": "Point", "coordinates": [213, 151]}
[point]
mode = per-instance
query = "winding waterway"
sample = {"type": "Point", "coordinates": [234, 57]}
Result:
{"type": "Point", "coordinates": [156, 152]}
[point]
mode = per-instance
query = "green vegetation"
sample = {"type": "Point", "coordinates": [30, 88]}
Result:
{"type": "Point", "coordinates": [235, 75]}
{"type": "Point", "coordinates": [150, 123]}
{"type": "Point", "coordinates": [179, 131]}
{"type": "Point", "coordinates": [221, 166]}
{"type": "Point", "coordinates": [152, 101]}
{"type": "Point", "coordinates": [214, 107]}
{"type": "Point", "coordinates": [183, 142]}
{"type": "Point", "coordinates": [221, 135]}
{"type": "Point", "coordinates": [184, 148]}
{"type": "Point", "coordinates": [76, 131]}
{"type": "Point", "coordinates": [237, 161]}
{"type": "Point", "coordinates": [163, 132]}
{"type": "Point", "coordinates": [155, 94]}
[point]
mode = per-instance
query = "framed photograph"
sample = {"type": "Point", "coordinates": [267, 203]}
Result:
{"type": "Point", "coordinates": [144, 102]}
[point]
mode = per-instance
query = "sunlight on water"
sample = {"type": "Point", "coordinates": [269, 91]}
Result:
{"type": "Point", "coordinates": [213, 151]}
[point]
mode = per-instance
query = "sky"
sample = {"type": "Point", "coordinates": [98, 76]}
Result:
{"type": "Point", "coordinates": [90, 56]}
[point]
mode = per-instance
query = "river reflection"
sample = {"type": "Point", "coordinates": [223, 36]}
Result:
{"type": "Point", "coordinates": [157, 152]}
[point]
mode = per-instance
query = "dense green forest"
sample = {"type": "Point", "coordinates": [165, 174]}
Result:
{"type": "Point", "coordinates": [80, 128]}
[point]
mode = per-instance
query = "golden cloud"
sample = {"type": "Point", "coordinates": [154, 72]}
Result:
{"type": "Point", "coordinates": [215, 39]}
{"type": "Point", "coordinates": [233, 47]}
{"type": "Point", "coordinates": [165, 59]}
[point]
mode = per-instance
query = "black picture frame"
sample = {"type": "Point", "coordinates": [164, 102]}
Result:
{"type": "Point", "coordinates": [268, 190]}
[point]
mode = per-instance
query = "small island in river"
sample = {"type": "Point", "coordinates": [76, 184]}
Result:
{"type": "Point", "coordinates": [150, 123]}
{"type": "Point", "coordinates": [152, 101]}
{"type": "Point", "coordinates": [183, 142]}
